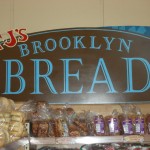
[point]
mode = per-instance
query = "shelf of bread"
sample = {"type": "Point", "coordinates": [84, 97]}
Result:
{"type": "Point", "coordinates": [47, 125]}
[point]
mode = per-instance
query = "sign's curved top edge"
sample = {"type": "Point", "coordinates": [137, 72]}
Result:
{"type": "Point", "coordinates": [88, 28]}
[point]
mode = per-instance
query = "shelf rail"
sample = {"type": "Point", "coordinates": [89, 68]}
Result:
{"type": "Point", "coordinates": [30, 142]}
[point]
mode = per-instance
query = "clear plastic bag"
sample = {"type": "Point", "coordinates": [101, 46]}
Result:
{"type": "Point", "coordinates": [113, 123]}
{"type": "Point", "coordinates": [99, 123]}
{"type": "Point", "coordinates": [139, 121]}
{"type": "Point", "coordinates": [4, 137]}
{"type": "Point", "coordinates": [127, 120]}
{"type": "Point", "coordinates": [17, 125]}
{"type": "Point", "coordinates": [60, 124]}
{"type": "Point", "coordinates": [6, 105]}
{"type": "Point", "coordinates": [90, 122]}
{"type": "Point", "coordinates": [81, 123]}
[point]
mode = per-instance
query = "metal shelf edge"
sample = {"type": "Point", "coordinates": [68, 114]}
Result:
{"type": "Point", "coordinates": [90, 140]}
{"type": "Point", "coordinates": [15, 145]}
{"type": "Point", "coordinates": [76, 140]}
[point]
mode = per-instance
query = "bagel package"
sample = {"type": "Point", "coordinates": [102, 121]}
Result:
{"type": "Point", "coordinates": [12, 122]}
{"type": "Point", "coordinates": [4, 137]}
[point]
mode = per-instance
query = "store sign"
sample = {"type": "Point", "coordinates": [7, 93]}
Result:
{"type": "Point", "coordinates": [83, 65]}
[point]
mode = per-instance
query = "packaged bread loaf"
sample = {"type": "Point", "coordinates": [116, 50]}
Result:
{"type": "Point", "coordinates": [60, 124]}
{"type": "Point", "coordinates": [34, 128]}
{"type": "Point", "coordinates": [69, 111]}
{"type": "Point", "coordinates": [12, 122]}
{"type": "Point", "coordinates": [90, 123]}
{"type": "Point", "coordinates": [113, 123]}
{"type": "Point", "coordinates": [6, 105]}
{"type": "Point", "coordinates": [99, 125]}
{"type": "Point", "coordinates": [80, 122]}
{"type": "Point", "coordinates": [70, 117]}
{"type": "Point", "coordinates": [42, 128]}
{"type": "Point", "coordinates": [38, 115]}
{"type": "Point", "coordinates": [40, 120]}
{"type": "Point", "coordinates": [4, 137]}
{"type": "Point", "coordinates": [17, 125]}
{"type": "Point", "coordinates": [73, 129]}
{"type": "Point", "coordinates": [140, 124]}
{"type": "Point", "coordinates": [127, 120]}
{"type": "Point", "coordinates": [4, 120]}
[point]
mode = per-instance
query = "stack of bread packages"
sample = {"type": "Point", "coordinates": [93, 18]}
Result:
{"type": "Point", "coordinates": [41, 121]}
{"type": "Point", "coordinates": [6, 106]}
{"type": "Point", "coordinates": [17, 128]}
{"type": "Point", "coordinates": [12, 122]}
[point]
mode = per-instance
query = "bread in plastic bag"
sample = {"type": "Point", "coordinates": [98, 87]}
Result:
{"type": "Point", "coordinates": [4, 137]}
{"type": "Point", "coordinates": [113, 123]}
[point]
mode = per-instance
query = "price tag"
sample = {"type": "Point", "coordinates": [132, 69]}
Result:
{"type": "Point", "coordinates": [65, 140]}
{"type": "Point", "coordinates": [133, 138]}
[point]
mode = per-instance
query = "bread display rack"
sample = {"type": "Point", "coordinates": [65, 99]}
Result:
{"type": "Point", "coordinates": [71, 142]}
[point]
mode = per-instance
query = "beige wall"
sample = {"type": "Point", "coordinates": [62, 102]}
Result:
{"type": "Point", "coordinates": [38, 15]}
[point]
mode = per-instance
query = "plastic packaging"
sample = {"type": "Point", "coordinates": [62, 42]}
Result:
{"type": "Point", "coordinates": [4, 120]}
{"type": "Point", "coordinates": [40, 119]}
{"type": "Point", "coordinates": [99, 123]}
{"type": "Point", "coordinates": [41, 128]}
{"type": "Point", "coordinates": [6, 105]}
{"type": "Point", "coordinates": [80, 123]}
{"type": "Point", "coordinates": [127, 121]}
{"type": "Point", "coordinates": [60, 124]}
{"type": "Point", "coordinates": [113, 123]}
{"type": "Point", "coordinates": [4, 137]}
{"type": "Point", "coordinates": [17, 125]}
{"type": "Point", "coordinates": [70, 117]}
{"type": "Point", "coordinates": [51, 128]}
{"type": "Point", "coordinates": [139, 121]}
{"type": "Point", "coordinates": [90, 123]}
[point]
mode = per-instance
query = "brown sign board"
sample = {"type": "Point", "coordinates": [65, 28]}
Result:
{"type": "Point", "coordinates": [78, 66]}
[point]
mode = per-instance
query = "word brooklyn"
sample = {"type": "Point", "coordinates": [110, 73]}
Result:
{"type": "Point", "coordinates": [75, 43]}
